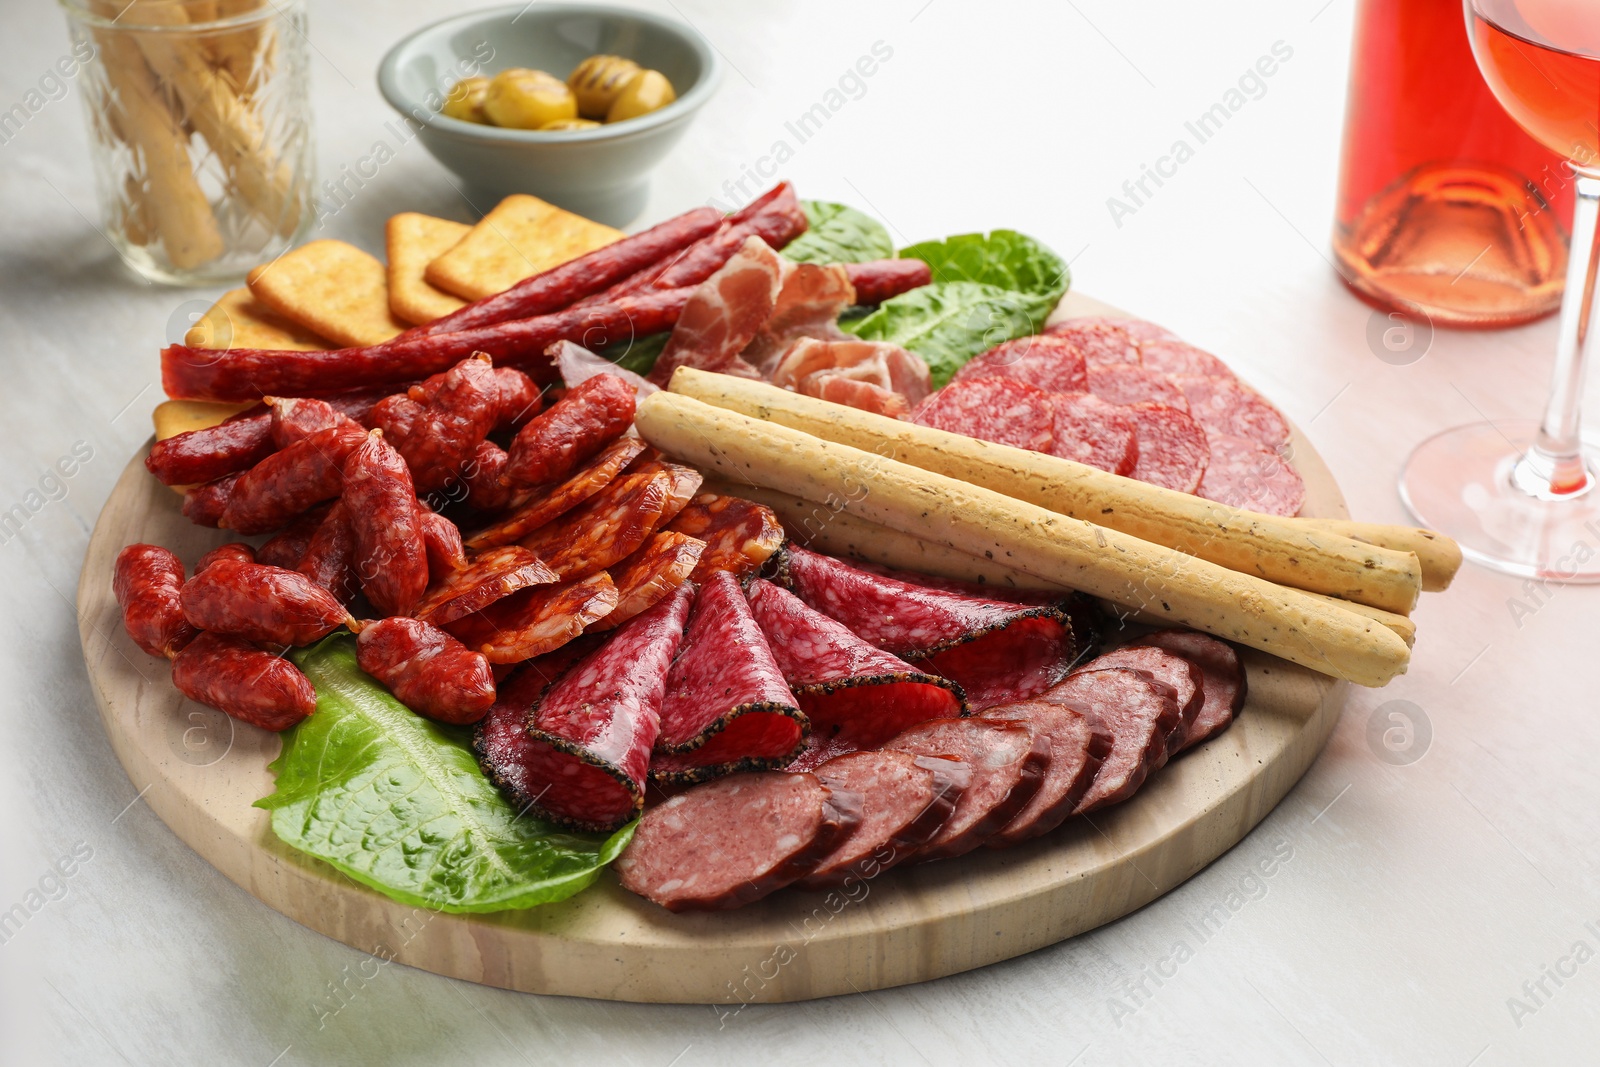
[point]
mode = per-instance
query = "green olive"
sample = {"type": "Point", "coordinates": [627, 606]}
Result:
{"type": "Point", "coordinates": [524, 99]}
{"type": "Point", "coordinates": [464, 101]}
{"type": "Point", "coordinates": [571, 124]}
{"type": "Point", "coordinates": [645, 92]}
{"type": "Point", "coordinates": [597, 81]}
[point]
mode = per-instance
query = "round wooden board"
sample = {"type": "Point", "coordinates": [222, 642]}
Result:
{"type": "Point", "coordinates": [202, 771]}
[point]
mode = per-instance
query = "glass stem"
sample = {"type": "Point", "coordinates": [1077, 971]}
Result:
{"type": "Point", "coordinates": [1554, 465]}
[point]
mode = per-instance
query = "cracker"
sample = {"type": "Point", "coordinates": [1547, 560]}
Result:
{"type": "Point", "coordinates": [413, 241]}
{"type": "Point", "coordinates": [172, 417]}
{"type": "Point", "coordinates": [331, 288]}
{"type": "Point", "coordinates": [521, 237]}
{"type": "Point", "coordinates": [239, 320]}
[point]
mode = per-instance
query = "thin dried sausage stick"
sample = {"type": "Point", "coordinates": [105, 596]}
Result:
{"type": "Point", "coordinates": [881, 279]}
{"type": "Point", "coordinates": [212, 452]}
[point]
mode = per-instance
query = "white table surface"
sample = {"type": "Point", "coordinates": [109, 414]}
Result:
{"type": "Point", "coordinates": [1419, 897]}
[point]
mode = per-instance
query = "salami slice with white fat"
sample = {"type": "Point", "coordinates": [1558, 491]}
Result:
{"type": "Point", "coordinates": [729, 842]}
{"type": "Point", "coordinates": [1099, 340]}
{"type": "Point", "coordinates": [1078, 745]}
{"type": "Point", "coordinates": [1138, 330]}
{"type": "Point", "coordinates": [489, 577]}
{"type": "Point", "coordinates": [1125, 383]}
{"type": "Point", "coordinates": [1175, 357]}
{"type": "Point", "coordinates": [1246, 474]}
{"type": "Point", "coordinates": [1138, 711]}
{"type": "Point", "coordinates": [1053, 364]}
{"type": "Point", "coordinates": [1002, 410]}
{"type": "Point", "coordinates": [1173, 451]}
{"type": "Point", "coordinates": [1008, 763]}
{"type": "Point", "coordinates": [1223, 680]}
{"type": "Point", "coordinates": [536, 621]}
{"type": "Point", "coordinates": [727, 706]}
{"type": "Point", "coordinates": [856, 695]}
{"type": "Point", "coordinates": [905, 800]}
{"type": "Point", "coordinates": [1178, 671]}
{"type": "Point", "coordinates": [1095, 432]}
{"type": "Point", "coordinates": [1223, 406]}
{"type": "Point", "coordinates": [740, 535]}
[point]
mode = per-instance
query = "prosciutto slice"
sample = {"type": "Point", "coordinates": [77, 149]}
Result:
{"type": "Point", "coordinates": [723, 314]}
{"type": "Point", "coordinates": [810, 298]}
{"type": "Point", "coordinates": [874, 376]}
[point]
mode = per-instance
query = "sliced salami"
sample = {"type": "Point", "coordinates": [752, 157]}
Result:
{"type": "Point", "coordinates": [1008, 763]}
{"type": "Point", "coordinates": [496, 573]}
{"type": "Point", "coordinates": [1002, 410]}
{"type": "Point", "coordinates": [1053, 364]}
{"type": "Point", "coordinates": [591, 731]}
{"type": "Point", "coordinates": [727, 706]}
{"type": "Point", "coordinates": [1246, 474]}
{"type": "Point", "coordinates": [905, 800]}
{"type": "Point", "coordinates": [856, 696]}
{"type": "Point", "coordinates": [1101, 341]}
{"type": "Point", "coordinates": [1223, 680]}
{"type": "Point", "coordinates": [729, 842]}
{"type": "Point", "coordinates": [606, 528]}
{"type": "Point", "coordinates": [1093, 431]}
{"type": "Point", "coordinates": [684, 483]}
{"type": "Point", "coordinates": [1221, 405]}
{"type": "Point", "coordinates": [1125, 383]}
{"type": "Point", "coordinates": [536, 621]}
{"type": "Point", "coordinates": [740, 535]}
{"type": "Point", "coordinates": [1138, 712]}
{"type": "Point", "coordinates": [1138, 330]}
{"type": "Point", "coordinates": [1175, 357]}
{"type": "Point", "coordinates": [550, 502]}
{"type": "Point", "coordinates": [664, 563]}
{"type": "Point", "coordinates": [1173, 451]}
{"type": "Point", "coordinates": [1078, 745]}
{"type": "Point", "coordinates": [1178, 671]}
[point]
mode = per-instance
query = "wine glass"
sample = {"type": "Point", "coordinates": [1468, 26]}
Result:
{"type": "Point", "coordinates": [1522, 497]}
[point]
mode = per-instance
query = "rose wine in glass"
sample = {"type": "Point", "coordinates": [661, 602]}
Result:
{"type": "Point", "coordinates": [1521, 497]}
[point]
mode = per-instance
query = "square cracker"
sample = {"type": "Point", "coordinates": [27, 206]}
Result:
{"type": "Point", "coordinates": [331, 288]}
{"type": "Point", "coordinates": [239, 320]}
{"type": "Point", "coordinates": [521, 237]}
{"type": "Point", "coordinates": [414, 241]}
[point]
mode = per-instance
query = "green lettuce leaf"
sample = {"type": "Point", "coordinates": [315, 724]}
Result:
{"type": "Point", "coordinates": [640, 353]}
{"type": "Point", "coordinates": [947, 323]}
{"type": "Point", "coordinates": [398, 803]}
{"type": "Point", "coordinates": [839, 234]}
{"type": "Point", "coordinates": [1005, 258]}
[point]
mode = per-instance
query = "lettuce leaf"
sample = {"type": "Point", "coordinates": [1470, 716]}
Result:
{"type": "Point", "coordinates": [397, 802]}
{"type": "Point", "coordinates": [839, 234]}
{"type": "Point", "coordinates": [640, 353]}
{"type": "Point", "coordinates": [1005, 258]}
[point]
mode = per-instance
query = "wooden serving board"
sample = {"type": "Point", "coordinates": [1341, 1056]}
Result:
{"type": "Point", "coordinates": [202, 771]}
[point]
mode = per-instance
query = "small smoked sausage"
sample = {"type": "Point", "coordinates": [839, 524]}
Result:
{"type": "Point", "coordinates": [257, 603]}
{"type": "Point", "coordinates": [237, 551]}
{"type": "Point", "coordinates": [212, 452]}
{"type": "Point", "coordinates": [381, 502]}
{"type": "Point", "coordinates": [330, 557]}
{"type": "Point", "coordinates": [482, 484]}
{"type": "Point", "coordinates": [427, 670]}
{"type": "Point", "coordinates": [459, 415]}
{"type": "Point", "coordinates": [235, 676]}
{"type": "Point", "coordinates": [591, 416]}
{"type": "Point", "coordinates": [204, 504]}
{"type": "Point", "coordinates": [291, 480]}
{"type": "Point", "coordinates": [147, 580]}
{"type": "Point", "coordinates": [288, 546]}
{"type": "Point", "coordinates": [442, 539]}
{"type": "Point", "coordinates": [296, 418]}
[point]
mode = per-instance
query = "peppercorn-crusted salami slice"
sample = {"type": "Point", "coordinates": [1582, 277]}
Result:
{"type": "Point", "coordinates": [1246, 474]}
{"type": "Point", "coordinates": [1002, 410]}
{"type": "Point", "coordinates": [1223, 406]}
{"type": "Point", "coordinates": [590, 732]}
{"type": "Point", "coordinates": [856, 695]}
{"type": "Point", "coordinates": [663, 564]}
{"type": "Point", "coordinates": [605, 529]}
{"type": "Point", "coordinates": [727, 706]}
{"type": "Point", "coordinates": [1223, 680]}
{"type": "Point", "coordinates": [1173, 450]}
{"type": "Point", "coordinates": [1175, 357]}
{"type": "Point", "coordinates": [532, 622]}
{"type": "Point", "coordinates": [1053, 364]}
{"type": "Point", "coordinates": [1078, 745]}
{"type": "Point", "coordinates": [905, 800]}
{"type": "Point", "coordinates": [996, 651]}
{"type": "Point", "coordinates": [1007, 761]}
{"type": "Point", "coordinates": [1093, 431]}
{"type": "Point", "coordinates": [1137, 710]}
{"type": "Point", "coordinates": [740, 535]}
{"type": "Point", "coordinates": [1177, 671]}
{"type": "Point", "coordinates": [729, 842]}
{"type": "Point", "coordinates": [496, 573]}
{"type": "Point", "coordinates": [552, 501]}
{"type": "Point", "coordinates": [1126, 383]}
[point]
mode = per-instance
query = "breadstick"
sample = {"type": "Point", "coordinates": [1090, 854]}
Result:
{"type": "Point", "coordinates": [1263, 545]}
{"type": "Point", "coordinates": [1439, 555]}
{"type": "Point", "coordinates": [1178, 588]}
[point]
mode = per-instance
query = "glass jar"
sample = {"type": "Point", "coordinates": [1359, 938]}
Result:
{"type": "Point", "coordinates": [199, 120]}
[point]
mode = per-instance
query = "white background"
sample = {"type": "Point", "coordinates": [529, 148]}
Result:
{"type": "Point", "coordinates": [1418, 898]}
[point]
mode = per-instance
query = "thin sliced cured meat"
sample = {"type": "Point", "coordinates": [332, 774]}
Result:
{"type": "Point", "coordinates": [1051, 363]}
{"type": "Point", "coordinates": [735, 840]}
{"type": "Point", "coordinates": [551, 502]}
{"type": "Point", "coordinates": [1138, 711]}
{"type": "Point", "coordinates": [740, 535]}
{"type": "Point", "coordinates": [1173, 450]}
{"type": "Point", "coordinates": [1099, 340]}
{"type": "Point", "coordinates": [1007, 761]}
{"type": "Point", "coordinates": [855, 694]}
{"type": "Point", "coordinates": [905, 800]}
{"type": "Point", "coordinates": [1175, 357]}
{"type": "Point", "coordinates": [1224, 406]}
{"type": "Point", "coordinates": [660, 566]}
{"type": "Point", "coordinates": [1125, 383]}
{"type": "Point", "coordinates": [727, 706]}
{"type": "Point", "coordinates": [1095, 432]}
{"type": "Point", "coordinates": [684, 484]}
{"type": "Point", "coordinates": [1246, 474]}
{"type": "Point", "coordinates": [536, 621]}
{"type": "Point", "coordinates": [1223, 680]}
{"type": "Point", "coordinates": [491, 575]}
{"type": "Point", "coordinates": [1138, 330]}
{"type": "Point", "coordinates": [810, 298]}
{"type": "Point", "coordinates": [842, 388]}
{"type": "Point", "coordinates": [1002, 410]}
{"type": "Point", "coordinates": [724, 314]}
{"type": "Point", "coordinates": [606, 528]}
{"type": "Point", "coordinates": [1078, 745]}
{"type": "Point", "coordinates": [870, 375]}
{"type": "Point", "coordinates": [996, 651]}
{"type": "Point", "coordinates": [588, 734]}
{"type": "Point", "coordinates": [1178, 671]}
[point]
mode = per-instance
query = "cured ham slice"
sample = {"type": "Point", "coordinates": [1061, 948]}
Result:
{"type": "Point", "coordinates": [810, 298]}
{"type": "Point", "coordinates": [874, 376]}
{"type": "Point", "coordinates": [724, 314]}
